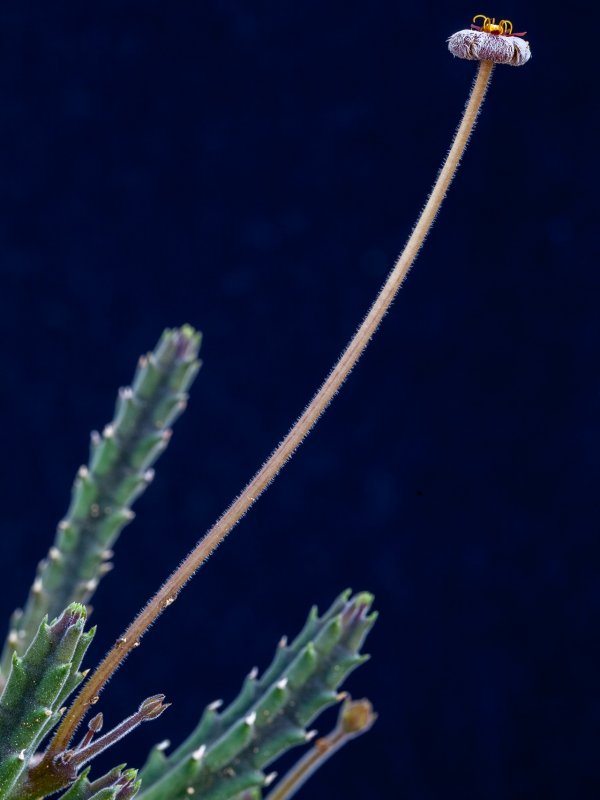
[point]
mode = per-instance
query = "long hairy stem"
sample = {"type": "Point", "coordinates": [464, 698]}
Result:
{"type": "Point", "coordinates": [173, 585]}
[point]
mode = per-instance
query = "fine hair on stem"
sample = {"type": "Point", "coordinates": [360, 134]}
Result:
{"type": "Point", "coordinates": [166, 595]}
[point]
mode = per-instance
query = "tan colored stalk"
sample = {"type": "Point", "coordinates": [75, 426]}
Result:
{"type": "Point", "coordinates": [355, 718]}
{"type": "Point", "coordinates": [173, 585]}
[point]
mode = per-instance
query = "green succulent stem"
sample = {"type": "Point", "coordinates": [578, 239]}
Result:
{"type": "Point", "coordinates": [30, 703]}
{"type": "Point", "coordinates": [118, 471]}
{"type": "Point", "coordinates": [229, 750]}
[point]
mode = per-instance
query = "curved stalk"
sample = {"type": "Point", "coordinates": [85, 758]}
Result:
{"type": "Point", "coordinates": [354, 719]}
{"type": "Point", "coordinates": [267, 473]}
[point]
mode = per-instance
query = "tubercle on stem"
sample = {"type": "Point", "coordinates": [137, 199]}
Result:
{"type": "Point", "coordinates": [284, 451]}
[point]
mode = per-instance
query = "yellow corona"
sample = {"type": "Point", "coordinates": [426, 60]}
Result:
{"type": "Point", "coordinates": [502, 28]}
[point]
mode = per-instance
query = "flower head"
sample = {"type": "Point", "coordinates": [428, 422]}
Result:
{"type": "Point", "coordinates": [490, 42]}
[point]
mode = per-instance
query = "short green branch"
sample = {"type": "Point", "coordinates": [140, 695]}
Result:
{"type": "Point", "coordinates": [228, 751]}
{"type": "Point", "coordinates": [104, 491]}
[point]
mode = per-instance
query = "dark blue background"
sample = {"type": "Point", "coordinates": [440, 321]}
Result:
{"type": "Point", "coordinates": [253, 168]}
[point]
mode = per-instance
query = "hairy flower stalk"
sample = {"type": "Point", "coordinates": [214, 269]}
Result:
{"type": "Point", "coordinates": [170, 589]}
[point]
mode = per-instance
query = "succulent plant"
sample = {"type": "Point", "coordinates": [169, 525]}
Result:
{"type": "Point", "coordinates": [227, 756]}
{"type": "Point", "coordinates": [228, 753]}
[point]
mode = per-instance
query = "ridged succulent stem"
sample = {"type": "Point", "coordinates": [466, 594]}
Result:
{"type": "Point", "coordinates": [230, 749]}
{"type": "Point", "coordinates": [119, 470]}
{"type": "Point", "coordinates": [267, 473]}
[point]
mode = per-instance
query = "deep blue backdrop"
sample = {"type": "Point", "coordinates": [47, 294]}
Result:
{"type": "Point", "coordinates": [253, 168]}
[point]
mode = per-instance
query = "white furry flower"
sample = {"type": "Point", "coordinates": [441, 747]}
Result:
{"type": "Point", "coordinates": [481, 46]}
{"type": "Point", "coordinates": [490, 42]}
